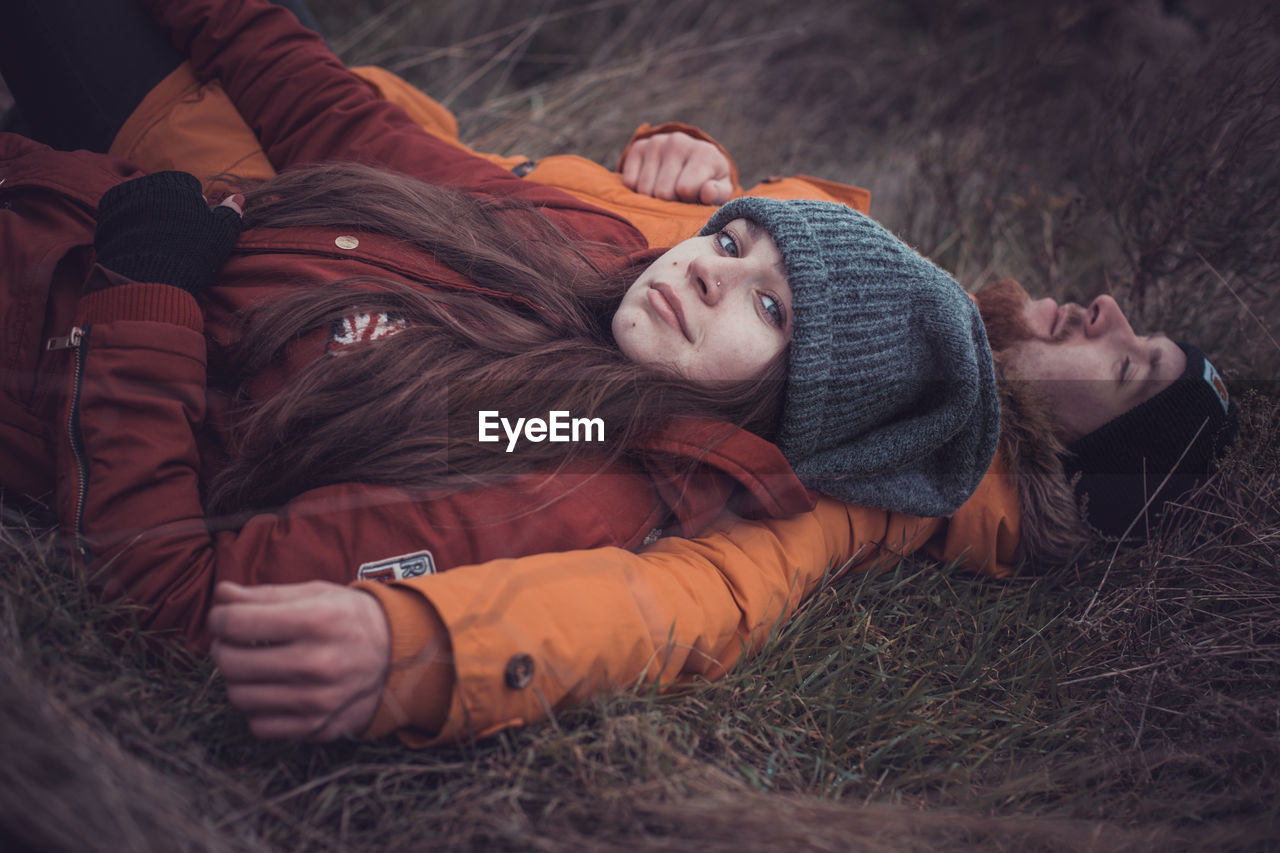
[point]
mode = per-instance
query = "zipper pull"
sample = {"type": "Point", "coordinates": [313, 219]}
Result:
{"type": "Point", "coordinates": [71, 341]}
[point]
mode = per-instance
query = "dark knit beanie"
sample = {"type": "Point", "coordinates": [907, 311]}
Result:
{"type": "Point", "coordinates": [891, 394]}
{"type": "Point", "coordinates": [1174, 435]}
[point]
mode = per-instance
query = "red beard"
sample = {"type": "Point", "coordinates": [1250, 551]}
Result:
{"type": "Point", "coordinates": [1001, 304]}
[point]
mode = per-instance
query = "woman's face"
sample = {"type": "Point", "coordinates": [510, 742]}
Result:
{"type": "Point", "coordinates": [714, 308]}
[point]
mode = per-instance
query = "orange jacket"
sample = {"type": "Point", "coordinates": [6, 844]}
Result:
{"type": "Point", "coordinates": [508, 642]}
{"type": "Point", "coordinates": [529, 636]}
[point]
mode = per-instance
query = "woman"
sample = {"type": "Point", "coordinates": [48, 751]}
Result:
{"type": "Point", "coordinates": [535, 286]}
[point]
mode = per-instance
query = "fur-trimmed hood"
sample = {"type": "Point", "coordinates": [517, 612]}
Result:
{"type": "Point", "coordinates": [1052, 530]}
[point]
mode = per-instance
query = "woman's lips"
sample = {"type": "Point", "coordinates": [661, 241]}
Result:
{"type": "Point", "coordinates": [668, 307]}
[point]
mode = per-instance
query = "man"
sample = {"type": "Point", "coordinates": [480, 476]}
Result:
{"type": "Point", "coordinates": [1140, 417]}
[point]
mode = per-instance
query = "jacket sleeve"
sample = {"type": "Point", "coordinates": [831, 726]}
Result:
{"type": "Point", "coordinates": [984, 533]}
{"type": "Point", "coordinates": [130, 490]}
{"type": "Point", "coordinates": [305, 106]}
{"type": "Point", "coordinates": [530, 636]}
{"type": "Point", "coordinates": [782, 188]}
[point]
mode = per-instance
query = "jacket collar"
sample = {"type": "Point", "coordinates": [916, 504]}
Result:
{"type": "Point", "coordinates": [700, 466]}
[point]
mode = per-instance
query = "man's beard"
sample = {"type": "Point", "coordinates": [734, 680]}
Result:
{"type": "Point", "coordinates": [1001, 305]}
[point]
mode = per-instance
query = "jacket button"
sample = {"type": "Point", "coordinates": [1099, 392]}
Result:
{"type": "Point", "coordinates": [346, 242]}
{"type": "Point", "coordinates": [519, 671]}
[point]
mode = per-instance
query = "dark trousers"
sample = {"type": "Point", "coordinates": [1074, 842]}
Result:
{"type": "Point", "coordinates": [78, 68]}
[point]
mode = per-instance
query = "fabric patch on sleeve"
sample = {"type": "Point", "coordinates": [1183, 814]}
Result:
{"type": "Point", "coordinates": [1215, 382]}
{"type": "Point", "coordinates": [363, 327]}
{"type": "Point", "coordinates": [413, 565]}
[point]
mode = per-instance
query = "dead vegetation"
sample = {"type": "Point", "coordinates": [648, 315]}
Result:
{"type": "Point", "coordinates": [1125, 702]}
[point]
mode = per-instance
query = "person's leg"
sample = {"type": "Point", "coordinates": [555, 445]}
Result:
{"type": "Point", "coordinates": [77, 69]}
{"type": "Point", "coordinates": [148, 57]}
{"type": "Point", "coordinates": [303, 13]}
{"type": "Point", "coordinates": [13, 122]}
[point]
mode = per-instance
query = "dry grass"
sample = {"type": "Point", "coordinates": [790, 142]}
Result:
{"type": "Point", "coordinates": [1125, 702]}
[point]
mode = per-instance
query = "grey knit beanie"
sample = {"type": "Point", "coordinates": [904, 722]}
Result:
{"type": "Point", "coordinates": [891, 393]}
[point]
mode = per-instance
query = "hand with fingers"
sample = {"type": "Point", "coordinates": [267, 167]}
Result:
{"type": "Point", "coordinates": [678, 167]}
{"type": "Point", "coordinates": [301, 661]}
{"type": "Point", "coordinates": [159, 229]}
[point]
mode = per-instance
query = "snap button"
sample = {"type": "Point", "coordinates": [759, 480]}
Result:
{"type": "Point", "coordinates": [519, 671]}
{"type": "Point", "coordinates": [345, 242]}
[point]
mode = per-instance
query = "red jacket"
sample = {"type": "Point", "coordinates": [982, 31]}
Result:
{"type": "Point", "coordinates": [190, 124]}
{"type": "Point", "coordinates": [128, 381]}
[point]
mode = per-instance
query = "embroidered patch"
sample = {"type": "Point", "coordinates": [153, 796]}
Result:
{"type": "Point", "coordinates": [1215, 382]}
{"type": "Point", "coordinates": [413, 565]}
{"type": "Point", "coordinates": [359, 328]}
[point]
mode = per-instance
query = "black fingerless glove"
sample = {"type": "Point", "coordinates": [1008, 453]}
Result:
{"type": "Point", "coordinates": [159, 228]}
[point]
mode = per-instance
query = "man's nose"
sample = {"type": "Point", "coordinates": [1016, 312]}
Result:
{"type": "Point", "coordinates": [1104, 318]}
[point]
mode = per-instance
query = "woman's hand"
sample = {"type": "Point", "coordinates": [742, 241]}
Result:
{"type": "Point", "coordinates": [676, 166]}
{"type": "Point", "coordinates": [306, 660]}
{"type": "Point", "coordinates": [159, 229]}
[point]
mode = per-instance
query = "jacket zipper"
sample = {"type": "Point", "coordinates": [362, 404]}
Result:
{"type": "Point", "coordinates": [77, 340]}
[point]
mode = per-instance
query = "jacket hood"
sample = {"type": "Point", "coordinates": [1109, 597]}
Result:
{"type": "Point", "coordinates": [700, 466]}
{"type": "Point", "coordinates": [1052, 531]}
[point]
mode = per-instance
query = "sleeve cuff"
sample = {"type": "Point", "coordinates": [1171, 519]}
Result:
{"type": "Point", "coordinates": [122, 299]}
{"type": "Point", "coordinates": [419, 690]}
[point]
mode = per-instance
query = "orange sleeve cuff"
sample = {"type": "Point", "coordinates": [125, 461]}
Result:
{"type": "Point", "coordinates": [419, 689]}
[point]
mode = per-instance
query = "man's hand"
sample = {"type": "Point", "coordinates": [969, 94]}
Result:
{"type": "Point", "coordinates": [677, 167]}
{"type": "Point", "coordinates": [306, 660]}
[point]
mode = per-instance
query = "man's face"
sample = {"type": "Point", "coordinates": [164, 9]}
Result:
{"type": "Point", "coordinates": [1085, 362]}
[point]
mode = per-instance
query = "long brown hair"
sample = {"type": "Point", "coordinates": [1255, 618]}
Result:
{"type": "Point", "coordinates": [404, 410]}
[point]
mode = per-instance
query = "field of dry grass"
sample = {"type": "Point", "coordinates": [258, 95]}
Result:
{"type": "Point", "coordinates": [1125, 702]}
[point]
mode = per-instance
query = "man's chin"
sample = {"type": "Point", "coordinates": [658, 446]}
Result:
{"type": "Point", "coordinates": [1001, 305]}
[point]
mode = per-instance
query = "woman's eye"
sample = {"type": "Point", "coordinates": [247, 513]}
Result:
{"type": "Point", "coordinates": [773, 308]}
{"type": "Point", "coordinates": [727, 243]}
{"type": "Point", "coordinates": [1124, 369]}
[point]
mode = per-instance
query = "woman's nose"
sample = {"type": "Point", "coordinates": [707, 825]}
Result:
{"type": "Point", "coordinates": [1104, 317]}
{"type": "Point", "coordinates": [712, 278]}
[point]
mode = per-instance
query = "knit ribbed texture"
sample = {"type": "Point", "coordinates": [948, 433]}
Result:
{"type": "Point", "coordinates": [1123, 462]}
{"type": "Point", "coordinates": [420, 680]}
{"type": "Point", "coordinates": [891, 397]}
{"type": "Point", "coordinates": [159, 228]}
{"type": "Point", "coordinates": [159, 303]}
